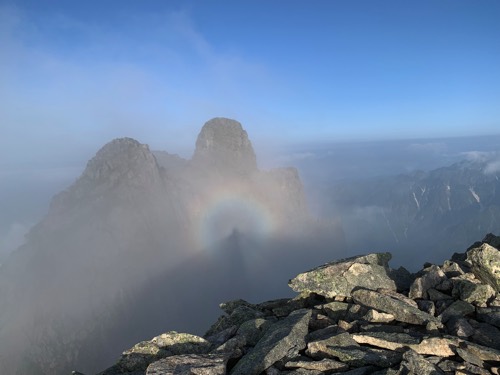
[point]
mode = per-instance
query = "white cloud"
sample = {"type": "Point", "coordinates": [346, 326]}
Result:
{"type": "Point", "coordinates": [493, 166]}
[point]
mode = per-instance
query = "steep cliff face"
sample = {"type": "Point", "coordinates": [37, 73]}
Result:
{"type": "Point", "coordinates": [138, 233]}
{"type": "Point", "coordinates": [223, 148]}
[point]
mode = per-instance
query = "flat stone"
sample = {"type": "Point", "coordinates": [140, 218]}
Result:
{"type": "Point", "coordinates": [341, 277]}
{"type": "Point", "coordinates": [482, 352]}
{"type": "Point", "coordinates": [440, 346]}
{"type": "Point", "coordinates": [199, 364]}
{"type": "Point", "coordinates": [281, 339]}
{"type": "Point", "coordinates": [373, 316]}
{"type": "Point", "coordinates": [325, 364]}
{"type": "Point", "coordinates": [344, 348]}
{"type": "Point", "coordinates": [401, 311]}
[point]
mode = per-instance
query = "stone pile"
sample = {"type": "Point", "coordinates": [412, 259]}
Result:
{"type": "Point", "coordinates": [354, 316]}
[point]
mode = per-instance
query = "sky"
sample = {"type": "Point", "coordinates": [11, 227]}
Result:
{"type": "Point", "coordinates": [76, 74]}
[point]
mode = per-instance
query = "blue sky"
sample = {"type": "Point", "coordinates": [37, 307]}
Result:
{"type": "Point", "coordinates": [76, 74]}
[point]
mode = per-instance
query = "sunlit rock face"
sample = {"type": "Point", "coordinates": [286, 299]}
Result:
{"type": "Point", "coordinates": [144, 241]}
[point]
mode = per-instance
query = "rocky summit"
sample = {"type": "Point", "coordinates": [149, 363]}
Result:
{"type": "Point", "coordinates": [355, 316]}
{"type": "Point", "coordinates": [223, 146]}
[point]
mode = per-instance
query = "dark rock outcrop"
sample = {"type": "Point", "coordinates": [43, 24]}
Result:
{"type": "Point", "coordinates": [366, 330]}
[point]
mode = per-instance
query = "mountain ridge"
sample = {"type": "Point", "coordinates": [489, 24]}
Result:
{"type": "Point", "coordinates": [129, 229]}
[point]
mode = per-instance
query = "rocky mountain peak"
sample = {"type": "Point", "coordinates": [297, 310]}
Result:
{"type": "Point", "coordinates": [122, 158]}
{"type": "Point", "coordinates": [119, 165]}
{"type": "Point", "coordinates": [223, 144]}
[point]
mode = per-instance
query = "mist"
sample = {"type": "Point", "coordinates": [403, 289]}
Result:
{"type": "Point", "coordinates": [363, 129]}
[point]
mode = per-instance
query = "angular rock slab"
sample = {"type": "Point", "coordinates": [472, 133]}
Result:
{"type": "Point", "coordinates": [401, 311]}
{"type": "Point", "coordinates": [195, 364]}
{"type": "Point", "coordinates": [441, 346]}
{"type": "Point", "coordinates": [341, 277]}
{"type": "Point", "coordinates": [282, 338]}
{"type": "Point", "coordinates": [485, 262]}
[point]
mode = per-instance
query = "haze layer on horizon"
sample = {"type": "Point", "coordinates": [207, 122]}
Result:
{"type": "Point", "coordinates": [77, 74]}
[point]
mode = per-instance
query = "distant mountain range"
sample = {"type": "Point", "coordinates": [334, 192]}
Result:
{"type": "Point", "coordinates": [145, 241]}
{"type": "Point", "coordinates": [420, 212]}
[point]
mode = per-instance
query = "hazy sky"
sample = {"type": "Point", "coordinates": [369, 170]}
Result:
{"type": "Point", "coordinates": [75, 74]}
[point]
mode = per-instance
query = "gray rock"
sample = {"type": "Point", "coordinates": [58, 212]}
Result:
{"type": "Point", "coordinates": [323, 333]}
{"type": "Point", "coordinates": [469, 357]}
{"type": "Point", "coordinates": [457, 309]}
{"type": "Point", "coordinates": [427, 306]}
{"type": "Point", "coordinates": [167, 344]}
{"type": "Point", "coordinates": [283, 338]}
{"type": "Point", "coordinates": [414, 363]}
{"type": "Point", "coordinates": [233, 345]}
{"type": "Point", "coordinates": [486, 334]}
{"type": "Point", "coordinates": [229, 306]}
{"type": "Point", "coordinates": [187, 364]}
{"type": "Point", "coordinates": [460, 327]}
{"type": "Point", "coordinates": [239, 315]}
{"type": "Point", "coordinates": [341, 277]}
{"type": "Point", "coordinates": [336, 310]}
{"type": "Point", "coordinates": [490, 315]}
{"type": "Point", "coordinates": [474, 293]}
{"type": "Point", "coordinates": [432, 277]}
{"type": "Point", "coordinates": [485, 262]}
{"type": "Point", "coordinates": [221, 337]}
{"type": "Point", "coordinates": [452, 269]}
{"type": "Point", "coordinates": [344, 348]}
{"type": "Point", "coordinates": [482, 352]}
{"type": "Point", "coordinates": [401, 311]}
{"type": "Point", "coordinates": [436, 295]}
{"type": "Point", "coordinates": [325, 365]}
{"type": "Point", "coordinates": [254, 329]}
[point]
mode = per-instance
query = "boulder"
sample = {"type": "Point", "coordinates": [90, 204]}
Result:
{"type": "Point", "coordinates": [341, 277]}
{"type": "Point", "coordinates": [485, 261]}
{"type": "Point", "coordinates": [283, 338]}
